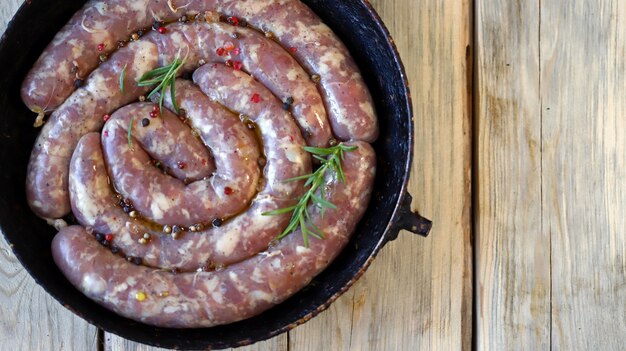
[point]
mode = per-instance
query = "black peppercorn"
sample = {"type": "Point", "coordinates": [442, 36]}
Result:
{"type": "Point", "coordinates": [145, 122]}
{"type": "Point", "coordinates": [288, 103]}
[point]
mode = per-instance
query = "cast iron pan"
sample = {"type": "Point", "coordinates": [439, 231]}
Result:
{"type": "Point", "coordinates": [358, 25]}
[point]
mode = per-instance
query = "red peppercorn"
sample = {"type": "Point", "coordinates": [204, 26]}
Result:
{"type": "Point", "coordinates": [182, 165]}
{"type": "Point", "coordinates": [101, 47]}
{"type": "Point", "coordinates": [220, 51]}
{"type": "Point", "coordinates": [156, 108]}
{"type": "Point", "coordinates": [229, 63]}
{"type": "Point", "coordinates": [228, 190]}
{"type": "Point", "coordinates": [293, 49]}
{"type": "Point", "coordinates": [106, 117]}
{"type": "Point", "coordinates": [237, 65]}
{"type": "Point", "coordinates": [162, 30]}
{"type": "Point", "coordinates": [154, 114]}
{"type": "Point", "coordinates": [233, 20]}
{"type": "Point", "coordinates": [229, 46]}
{"type": "Point", "coordinates": [256, 98]}
{"type": "Point", "coordinates": [236, 51]}
{"type": "Point", "coordinates": [108, 237]}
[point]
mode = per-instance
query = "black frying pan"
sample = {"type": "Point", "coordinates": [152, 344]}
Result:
{"type": "Point", "coordinates": [358, 25]}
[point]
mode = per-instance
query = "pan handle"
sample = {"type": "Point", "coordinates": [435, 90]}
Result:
{"type": "Point", "coordinates": [409, 220]}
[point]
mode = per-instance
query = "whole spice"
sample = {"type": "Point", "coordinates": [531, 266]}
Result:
{"type": "Point", "coordinates": [233, 20]}
{"type": "Point", "coordinates": [141, 296]}
{"type": "Point", "coordinates": [288, 103]}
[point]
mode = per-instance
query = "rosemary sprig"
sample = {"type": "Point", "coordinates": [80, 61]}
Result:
{"type": "Point", "coordinates": [330, 159]}
{"type": "Point", "coordinates": [122, 77]}
{"type": "Point", "coordinates": [164, 78]}
{"type": "Point", "coordinates": [130, 133]}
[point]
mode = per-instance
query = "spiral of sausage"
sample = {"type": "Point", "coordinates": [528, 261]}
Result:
{"type": "Point", "coordinates": [172, 203]}
{"type": "Point", "coordinates": [102, 25]}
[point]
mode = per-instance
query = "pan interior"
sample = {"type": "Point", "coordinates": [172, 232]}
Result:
{"type": "Point", "coordinates": [356, 24]}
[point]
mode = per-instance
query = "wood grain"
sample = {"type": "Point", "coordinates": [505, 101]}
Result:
{"type": "Point", "coordinates": [113, 342]}
{"type": "Point", "coordinates": [29, 318]}
{"type": "Point", "coordinates": [512, 250]}
{"type": "Point", "coordinates": [417, 294]}
{"type": "Point", "coordinates": [550, 228]}
{"type": "Point", "coordinates": [583, 91]}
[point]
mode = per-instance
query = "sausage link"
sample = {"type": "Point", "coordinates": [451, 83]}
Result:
{"type": "Point", "coordinates": [242, 290]}
{"type": "Point", "coordinates": [293, 24]}
{"type": "Point", "coordinates": [168, 200]}
{"type": "Point", "coordinates": [74, 52]}
{"type": "Point", "coordinates": [82, 112]}
{"type": "Point", "coordinates": [167, 140]}
{"type": "Point", "coordinates": [237, 239]}
{"type": "Point", "coordinates": [46, 184]}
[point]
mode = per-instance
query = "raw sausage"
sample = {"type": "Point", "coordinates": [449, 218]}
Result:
{"type": "Point", "coordinates": [239, 291]}
{"type": "Point", "coordinates": [235, 240]}
{"type": "Point", "coordinates": [83, 112]}
{"type": "Point", "coordinates": [99, 26]}
{"type": "Point", "coordinates": [168, 200]}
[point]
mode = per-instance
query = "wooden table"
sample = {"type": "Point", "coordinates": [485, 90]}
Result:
{"type": "Point", "coordinates": [520, 160]}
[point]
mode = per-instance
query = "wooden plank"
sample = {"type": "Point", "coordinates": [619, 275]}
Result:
{"type": "Point", "coordinates": [30, 319]}
{"type": "Point", "coordinates": [583, 75]}
{"type": "Point", "coordinates": [417, 294]}
{"type": "Point", "coordinates": [512, 250]}
{"type": "Point", "coordinates": [115, 343]}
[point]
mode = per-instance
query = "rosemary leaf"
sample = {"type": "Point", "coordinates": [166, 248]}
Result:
{"type": "Point", "coordinates": [130, 133]}
{"type": "Point", "coordinates": [295, 179]}
{"type": "Point", "coordinates": [122, 77]}
{"type": "Point", "coordinates": [155, 73]}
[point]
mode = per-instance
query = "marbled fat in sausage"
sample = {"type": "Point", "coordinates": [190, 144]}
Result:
{"type": "Point", "coordinates": [237, 239]}
{"type": "Point", "coordinates": [74, 52]}
{"type": "Point", "coordinates": [239, 291]}
{"type": "Point", "coordinates": [168, 200]}
{"type": "Point", "coordinates": [46, 183]}
{"type": "Point", "coordinates": [207, 275]}
{"type": "Point", "coordinates": [197, 42]}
